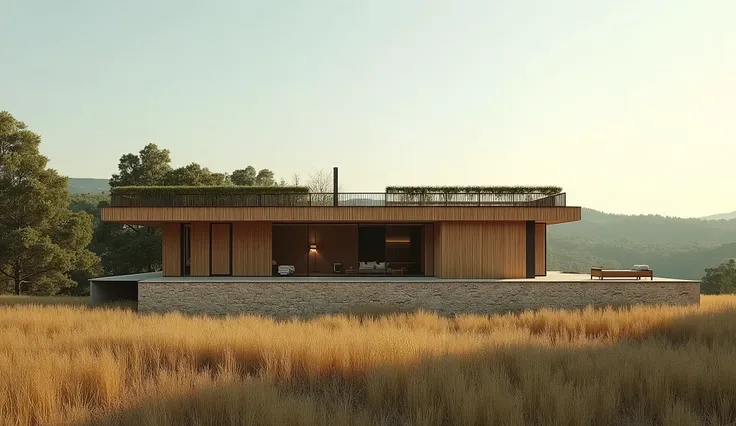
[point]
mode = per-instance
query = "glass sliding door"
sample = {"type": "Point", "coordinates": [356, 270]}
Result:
{"type": "Point", "coordinates": [350, 249]}
{"type": "Point", "coordinates": [333, 249]}
{"type": "Point", "coordinates": [290, 249]}
{"type": "Point", "coordinates": [404, 249]}
{"type": "Point", "coordinates": [372, 250]}
{"type": "Point", "coordinates": [315, 249]}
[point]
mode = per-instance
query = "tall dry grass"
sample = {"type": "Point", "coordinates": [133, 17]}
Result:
{"type": "Point", "coordinates": [6, 300]}
{"type": "Point", "coordinates": [643, 365]}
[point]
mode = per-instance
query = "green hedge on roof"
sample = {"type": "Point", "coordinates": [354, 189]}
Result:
{"type": "Point", "coordinates": [545, 190]}
{"type": "Point", "coordinates": [206, 190]}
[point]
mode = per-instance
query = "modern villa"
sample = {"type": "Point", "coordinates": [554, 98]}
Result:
{"type": "Point", "coordinates": [285, 251]}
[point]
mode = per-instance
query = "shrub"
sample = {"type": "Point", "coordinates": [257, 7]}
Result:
{"type": "Point", "coordinates": [545, 190]}
{"type": "Point", "coordinates": [206, 190]}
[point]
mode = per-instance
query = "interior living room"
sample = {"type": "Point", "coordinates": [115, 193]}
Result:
{"type": "Point", "coordinates": [350, 249]}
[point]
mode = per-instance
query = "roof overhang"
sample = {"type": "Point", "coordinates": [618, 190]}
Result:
{"type": "Point", "coordinates": [153, 216]}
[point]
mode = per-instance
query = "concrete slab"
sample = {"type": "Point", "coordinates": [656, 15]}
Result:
{"type": "Point", "coordinates": [551, 277]}
{"type": "Point", "coordinates": [130, 277]}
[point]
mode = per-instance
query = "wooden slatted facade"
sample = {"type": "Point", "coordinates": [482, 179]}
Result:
{"type": "Point", "coordinates": [221, 247]}
{"type": "Point", "coordinates": [451, 249]}
{"type": "Point", "coordinates": [252, 249]}
{"type": "Point", "coordinates": [480, 249]}
{"type": "Point", "coordinates": [428, 255]}
{"type": "Point", "coordinates": [171, 249]}
{"type": "Point", "coordinates": [200, 249]}
{"type": "Point", "coordinates": [540, 249]}
{"type": "Point", "coordinates": [438, 270]}
{"type": "Point", "coordinates": [158, 215]}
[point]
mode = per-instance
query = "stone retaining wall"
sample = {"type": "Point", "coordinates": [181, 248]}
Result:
{"type": "Point", "coordinates": [285, 299]}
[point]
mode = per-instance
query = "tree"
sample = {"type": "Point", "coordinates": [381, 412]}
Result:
{"type": "Point", "coordinates": [249, 177]}
{"type": "Point", "coordinates": [89, 203]}
{"type": "Point", "coordinates": [719, 280]}
{"type": "Point", "coordinates": [41, 239]}
{"type": "Point", "coordinates": [244, 177]}
{"type": "Point", "coordinates": [320, 181]}
{"type": "Point", "coordinates": [193, 175]}
{"type": "Point", "coordinates": [265, 178]}
{"type": "Point", "coordinates": [127, 249]}
{"type": "Point", "coordinates": [148, 168]}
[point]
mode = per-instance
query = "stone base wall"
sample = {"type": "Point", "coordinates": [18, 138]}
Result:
{"type": "Point", "coordinates": [285, 299]}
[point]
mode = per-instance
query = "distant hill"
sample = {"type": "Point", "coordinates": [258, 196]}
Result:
{"type": "Point", "coordinates": [722, 216]}
{"type": "Point", "coordinates": [647, 229]}
{"type": "Point", "coordinates": [674, 247]}
{"type": "Point", "coordinates": [88, 185]}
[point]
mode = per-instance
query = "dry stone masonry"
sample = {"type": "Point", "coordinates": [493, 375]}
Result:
{"type": "Point", "coordinates": [286, 299]}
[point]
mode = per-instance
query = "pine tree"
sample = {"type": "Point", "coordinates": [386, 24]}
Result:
{"type": "Point", "coordinates": [41, 240]}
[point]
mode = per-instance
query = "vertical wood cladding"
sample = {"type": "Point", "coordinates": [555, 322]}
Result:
{"type": "Point", "coordinates": [171, 249]}
{"type": "Point", "coordinates": [451, 249]}
{"type": "Point", "coordinates": [438, 271]}
{"type": "Point", "coordinates": [221, 246]}
{"type": "Point", "coordinates": [531, 233]}
{"type": "Point", "coordinates": [200, 246]}
{"type": "Point", "coordinates": [480, 249]}
{"type": "Point", "coordinates": [429, 250]}
{"type": "Point", "coordinates": [540, 242]}
{"type": "Point", "coordinates": [344, 214]}
{"type": "Point", "coordinates": [252, 249]}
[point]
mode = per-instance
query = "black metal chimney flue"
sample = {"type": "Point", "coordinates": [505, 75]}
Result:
{"type": "Point", "coordinates": [334, 186]}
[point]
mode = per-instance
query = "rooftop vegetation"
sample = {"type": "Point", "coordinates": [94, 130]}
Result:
{"type": "Point", "coordinates": [545, 190]}
{"type": "Point", "coordinates": [206, 190]}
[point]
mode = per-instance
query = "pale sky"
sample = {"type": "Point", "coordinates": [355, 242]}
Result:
{"type": "Point", "coordinates": [629, 105]}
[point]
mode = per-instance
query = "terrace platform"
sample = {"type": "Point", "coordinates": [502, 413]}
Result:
{"type": "Point", "coordinates": [308, 296]}
{"type": "Point", "coordinates": [157, 277]}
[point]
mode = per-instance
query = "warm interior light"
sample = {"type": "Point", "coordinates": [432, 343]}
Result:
{"type": "Point", "coordinates": [313, 247]}
{"type": "Point", "coordinates": [398, 241]}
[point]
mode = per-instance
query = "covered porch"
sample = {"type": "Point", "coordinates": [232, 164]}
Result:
{"type": "Point", "coordinates": [448, 249]}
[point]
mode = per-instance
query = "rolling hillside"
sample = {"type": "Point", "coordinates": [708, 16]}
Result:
{"type": "Point", "coordinates": [721, 216]}
{"type": "Point", "coordinates": [88, 185]}
{"type": "Point", "coordinates": [674, 247]}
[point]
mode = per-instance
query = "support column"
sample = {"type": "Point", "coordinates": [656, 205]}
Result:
{"type": "Point", "coordinates": [334, 187]}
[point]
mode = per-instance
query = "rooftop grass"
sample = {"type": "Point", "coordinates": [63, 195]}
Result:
{"type": "Point", "coordinates": [206, 190]}
{"type": "Point", "coordinates": [544, 190]}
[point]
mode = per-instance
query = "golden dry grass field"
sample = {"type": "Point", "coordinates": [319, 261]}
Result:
{"type": "Point", "coordinates": [65, 364]}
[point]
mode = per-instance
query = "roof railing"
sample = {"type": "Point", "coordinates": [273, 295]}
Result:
{"type": "Point", "coordinates": [344, 199]}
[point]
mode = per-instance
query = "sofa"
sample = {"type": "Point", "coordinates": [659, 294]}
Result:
{"type": "Point", "coordinates": [372, 267]}
{"type": "Point", "coordinates": [285, 270]}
